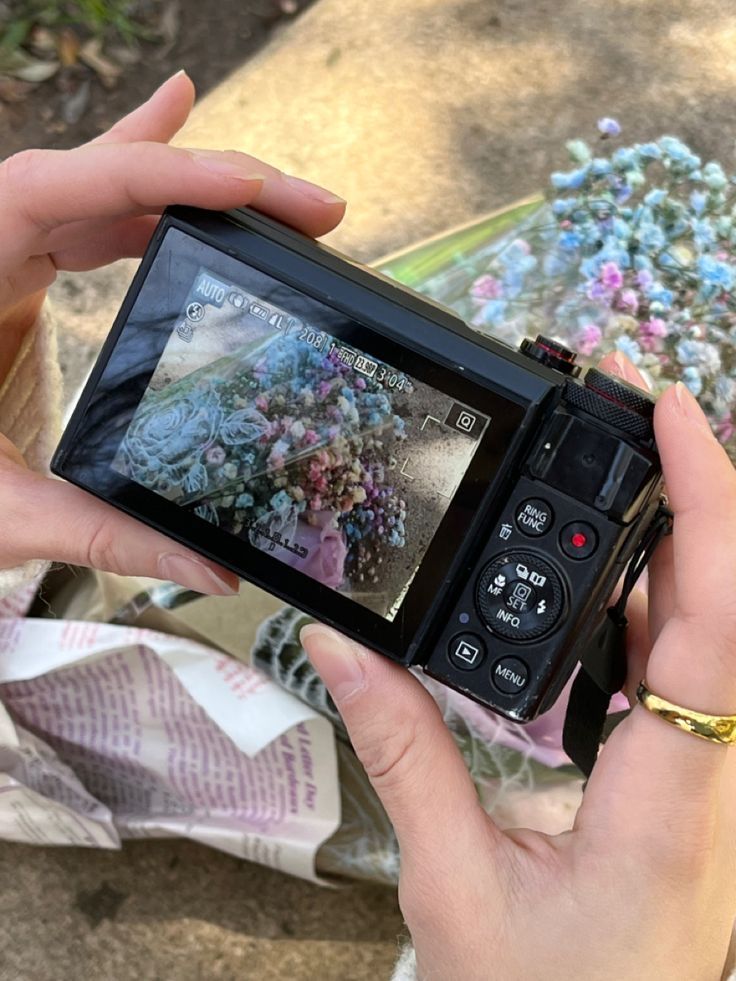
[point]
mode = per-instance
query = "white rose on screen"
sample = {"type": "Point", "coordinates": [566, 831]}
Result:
{"type": "Point", "coordinates": [164, 441]}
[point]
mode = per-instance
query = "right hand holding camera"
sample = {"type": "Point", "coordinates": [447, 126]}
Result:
{"type": "Point", "coordinates": [642, 886]}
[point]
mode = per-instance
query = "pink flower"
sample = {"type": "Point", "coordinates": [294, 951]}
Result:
{"type": "Point", "coordinates": [316, 503]}
{"type": "Point", "coordinates": [326, 549]}
{"type": "Point", "coordinates": [323, 389]}
{"type": "Point", "coordinates": [215, 455]}
{"type": "Point", "coordinates": [262, 403]}
{"type": "Point", "coordinates": [629, 300]}
{"type": "Point", "coordinates": [724, 428]}
{"type": "Point", "coordinates": [652, 331]}
{"type": "Point", "coordinates": [486, 288]}
{"type": "Point", "coordinates": [588, 338]}
{"type": "Point", "coordinates": [611, 276]}
{"type": "Point", "coordinates": [310, 437]}
{"type": "Point", "coordinates": [360, 384]}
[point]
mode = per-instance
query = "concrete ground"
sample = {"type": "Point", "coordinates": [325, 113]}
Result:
{"type": "Point", "coordinates": [422, 113]}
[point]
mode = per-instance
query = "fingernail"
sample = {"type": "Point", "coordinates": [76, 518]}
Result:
{"type": "Point", "coordinates": [216, 163]}
{"type": "Point", "coordinates": [336, 661]}
{"type": "Point", "coordinates": [313, 191]}
{"type": "Point", "coordinates": [688, 406]}
{"type": "Point", "coordinates": [194, 575]}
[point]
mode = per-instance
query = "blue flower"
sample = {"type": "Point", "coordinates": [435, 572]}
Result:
{"type": "Point", "coordinates": [715, 273]}
{"type": "Point", "coordinates": [657, 293]}
{"type": "Point", "coordinates": [655, 197]}
{"type": "Point", "coordinates": [703, 233]}
{"type": "Point", "coordinates": [244, 501]}
{"type": "Point", "coordinates": [281, 501]}
{"type": "Point", "coordinates": [570, 180]}
{"type": "Point", "coordinates": [651, 237]}
{"type": "Point", "coordinates": [649, 151]}
{"type": "Point", "coordinates": [691, 377]}
{"type": "Point", "coordinates": [626, 158]}
{"type": "Point", "coordinates": [493, 312]}
{"type": "Point", "coordinates": [600, 167]}
{"type": "Point", "coordinates": [608, 126]}
{"type": "Point", "coordinates": [714, 177]}
{"type": "Point", "coordinates": [570, 240]}
{"type": "Point", "coordinates": [629, 347]}
{"type": "Point", "coordinates": [698, 201]}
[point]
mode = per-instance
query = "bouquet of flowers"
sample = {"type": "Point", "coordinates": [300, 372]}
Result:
{"type": "Point", "coordinates": [634, 249]}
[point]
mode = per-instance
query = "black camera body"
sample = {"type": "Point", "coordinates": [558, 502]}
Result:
{"type": "Point", "coordinates": [359, 451]}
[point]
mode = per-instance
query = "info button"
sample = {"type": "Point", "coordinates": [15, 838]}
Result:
{"type": "Point", "coordinates": [534, 517]}
{"type": "Point", "coordinates": [466, 651]}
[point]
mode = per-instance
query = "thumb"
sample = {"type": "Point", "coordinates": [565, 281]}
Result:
{"type": "Point", "coordinates": [410, 757]}
{"type": "Point", "coordinates": [43, 518]}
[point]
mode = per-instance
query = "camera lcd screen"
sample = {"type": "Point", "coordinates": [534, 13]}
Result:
{"type": "Point", "coordinates": [257, 403]}
{"type": "Point", "coordinates": [262, 422]}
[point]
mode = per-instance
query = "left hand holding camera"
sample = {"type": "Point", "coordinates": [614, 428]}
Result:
{"type": "Point", "coordinates": [643, 885]}
{"type": "Point", "coordinates": [84, 208]}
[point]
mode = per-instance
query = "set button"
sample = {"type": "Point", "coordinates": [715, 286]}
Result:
{"type": "Point", "coordinates": [519, 596]}
{"type": "Point", "coordinates": [534, 517]}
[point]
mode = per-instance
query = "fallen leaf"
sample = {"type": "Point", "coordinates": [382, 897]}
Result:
{"type": "Point", "coordinates": [74, 104]}
{"type": "Point", "coordinates": [107, 70]}
{"type": "Point", "coordinates": [67, 46]}
{"type": "Point", "coordinates": [19, 64]}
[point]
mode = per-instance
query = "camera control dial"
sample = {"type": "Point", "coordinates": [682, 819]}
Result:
{"type": "Point", "coordinates": [519, 596]}
{"type": "Point", "coordinates": [551, 353]}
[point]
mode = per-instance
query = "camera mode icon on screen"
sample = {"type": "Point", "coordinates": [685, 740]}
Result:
{"type": "Point", "coordinates": [464, 421]}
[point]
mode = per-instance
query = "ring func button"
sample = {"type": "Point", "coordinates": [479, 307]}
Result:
{"type": "Point", "coordinates": [510, 675]}
{"type": "Point", "coordinates": [534, 517]}
{"type": "Point", "coordinates": [519, 596]}
{"type": "Point", "coordinates": [466, 651]}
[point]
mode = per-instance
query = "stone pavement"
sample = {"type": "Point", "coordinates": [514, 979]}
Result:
{"type": "Point", "coordinates": [422, 113]}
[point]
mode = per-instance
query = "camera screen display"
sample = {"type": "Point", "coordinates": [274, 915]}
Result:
{"type": "Point", "coordinates": [261, 420]}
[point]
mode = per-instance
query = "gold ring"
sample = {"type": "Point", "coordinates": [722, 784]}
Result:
{"type": "Point", "coordinates": [715, 728]}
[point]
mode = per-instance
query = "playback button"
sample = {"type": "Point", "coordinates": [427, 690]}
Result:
{"type": "Point", "coordinates": [466, 651]}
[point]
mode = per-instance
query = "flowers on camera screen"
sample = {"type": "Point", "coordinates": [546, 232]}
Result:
{"type": "Point", "coordinates": [283, 444]}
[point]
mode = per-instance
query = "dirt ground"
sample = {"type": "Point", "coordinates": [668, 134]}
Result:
{"type": "Point", "coordinates": [210, 40]}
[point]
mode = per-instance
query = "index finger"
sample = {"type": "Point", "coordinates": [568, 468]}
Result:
{"type": "Point", "coordinates": [41, 190]}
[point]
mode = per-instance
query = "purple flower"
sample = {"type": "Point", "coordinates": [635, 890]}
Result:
{"type": "Point", "coordinates": [588, 338]}
{"type": "Point", "coordinates": [608, 127]}
{"type": "Point", "coordinates": [486, 288]}
{"type": "Point", "coordinates": [629, 300]}
{"type": "Point", "coordinates": [611, 276]}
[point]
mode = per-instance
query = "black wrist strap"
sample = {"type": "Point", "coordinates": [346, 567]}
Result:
{"type": "Point", "coordinates": [603, 667]}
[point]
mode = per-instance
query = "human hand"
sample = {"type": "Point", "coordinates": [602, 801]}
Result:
{"type": "Point", "coordinates": [643, 886]}
{"type": "Point", "coordinates": [84, 208]}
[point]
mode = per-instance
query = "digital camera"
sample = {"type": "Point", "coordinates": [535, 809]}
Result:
{"type": "Point", "coordinates": [360, 452]}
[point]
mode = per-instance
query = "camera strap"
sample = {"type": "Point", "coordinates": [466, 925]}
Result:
{"type": "Point", "coordinates": [603, 666]}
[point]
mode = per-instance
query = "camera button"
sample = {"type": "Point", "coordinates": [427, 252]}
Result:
{"type": "Point", "coordinates": [466, 651]}
{"type": "Point", "coordinates": [534, 517]}
{"type": "Point", "coordinates": [510, 675]}
{"type": "Point", "coordinates": [578, 540]}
